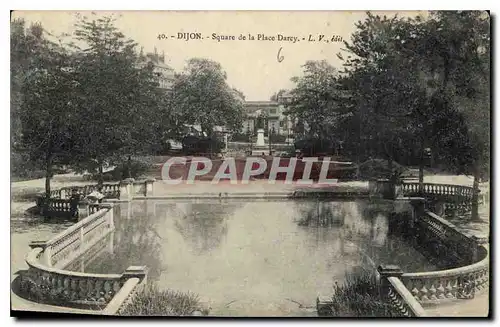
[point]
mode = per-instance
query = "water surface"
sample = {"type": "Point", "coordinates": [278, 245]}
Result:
{"type": "Point", "coordinates": [253, 258]}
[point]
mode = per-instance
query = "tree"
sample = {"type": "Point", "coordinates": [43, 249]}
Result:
{"type": "Point", "coordinates": [461, 42]}
{"type": "Point", "coordinates": [427, 78]}
{"type": "Point", "coordinates": [276, 96]}
{"type": "Point", "coordinates": [385, 98]}
{"type": "Point", "coordinates": [203, 97]}
{"type": "Point", "coordinates": [117, 96]}
{"type": "Point", "coordinates": [44, 88]}
{"type": "Point", "coordinates": [314, 100]}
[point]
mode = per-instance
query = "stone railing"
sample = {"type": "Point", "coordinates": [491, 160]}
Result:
{"type": "Point", "coordinates": [456, 243]}
{"type": "Point", "coordinates": [75, 240]}
{"type": "Point", "coordinates": [457, 283]}
{"type": "Point", "coordinates": [57, 207]}
{"type": "Point", "coordinates": [393, 291]}
{"type": "Point", "coordinates": [450, 284]}
{"type": "Point", "coordinates": [48, 280]}
{"type": "Point", "coordinates": [403, 290]}
{"type": "Point", "coordinates": [124, 297]}
{"type": "Point", "coordinates": [111, 191]}
{"type": "Point", "coordinates": [463, 193]}
{"type": "Point", "coordinates": [67, 202]}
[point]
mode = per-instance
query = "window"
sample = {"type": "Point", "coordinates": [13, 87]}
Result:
{"type": "Point", "coordinates": [272, 110]}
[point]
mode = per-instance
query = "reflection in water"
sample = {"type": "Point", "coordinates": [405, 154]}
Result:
{"type": "Point", "coordinates": [255, 257]}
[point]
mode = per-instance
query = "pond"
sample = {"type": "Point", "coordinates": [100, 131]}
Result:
{"type": "Point", "coordinates": [253, 258]}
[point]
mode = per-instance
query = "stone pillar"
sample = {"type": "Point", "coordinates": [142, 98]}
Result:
{"type": "Point", "coordinates": [140, 272]}
{"type": "Point", "coordinates": [109, 214]}
{"type": "Point", "coordinates": [46, 251]}
{"type": "Point", "coordinates": [418, 205]}
{"type": "Point", "coordinates": [386, 271]}
{"type": "Point", "coordinates": [65, 193]}
{"type": "Point", "coordinates": [372, 188]}
{"type": "Point", "coordinates": [324, 306]}
{"type": "Point", "coordinates": [260, 137]}
{"type": "Point", "coordinates": [148, 191]}
{"type": "Point", "coordinates": [83, 209]}
{"type": "Point", "coordinates": [127, 189]}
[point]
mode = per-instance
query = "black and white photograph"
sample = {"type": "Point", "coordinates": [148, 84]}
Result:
{"type": "Point", "coordinates": [306, 164]}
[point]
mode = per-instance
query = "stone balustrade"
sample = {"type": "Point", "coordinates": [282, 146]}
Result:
{"type": "Point", "coordinates": [400, 298]}
{"type": "Point", "coordinates": [461, 192]}
{"type": "Point", "coordinates": [123, 297]}
{"type": "Point", "coordinates": [130, 188]}
{"type": "Point", "coordinates": [394, 292]}
{"type": "Point", "coordinates": [67, 202]}
{"type": "Point", "coordinates": [450, 284]}
{"type": "Point", "coordinates": [469, 251]}
{"type": "Point", "coordinates": [48, 259]}
{"type": "Point", "coordinates": [76, 239]}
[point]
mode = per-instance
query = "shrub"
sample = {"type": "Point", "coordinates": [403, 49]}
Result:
{"type": "Point", "coordinates": [313, 146]}
{"type": "Point", "coordinates": [359, 297]}
{"type": "Point", "coordinates": [193, 145]}
{"type": "Point", "coordinates": [137, 169]}
{"type": "Point", "coordinates": [277, 138]}
{"type": "Point", "coordinates": [379, 168]}
{"type": "Point", "coordinates": [152, 301]}
{"type": "Point", "coordinates": [241, 137]}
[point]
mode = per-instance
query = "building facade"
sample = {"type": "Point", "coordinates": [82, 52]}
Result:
{"type": "Point", "coordinates": [163, 71]}
{"type": "Point", "coordinates": [268, 115]}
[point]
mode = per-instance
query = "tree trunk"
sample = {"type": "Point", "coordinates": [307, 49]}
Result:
{"type": "Point", "coordinates": [100, 176]}
{"type": "Point", "coordinates": [475, 194]}
{"type": "Point", "coordinates": [48, 174]}
{"type": "Point", "coordinates": [129, 167]}
{"type": "Point", "coordinates": [421, 171]}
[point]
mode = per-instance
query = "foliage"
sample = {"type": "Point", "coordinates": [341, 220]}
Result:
{"type": "Point", "coordinates": [314, 99]}
{"type": "Point", "coordinates": [115, 91]}
{"type": "Point", "coordinates": [202, 96]}
{"type": "Point", "coordinates": [125, 169]}
{"type": "Point", "coordinates": [42, 104]}
{"type": "Point", "coordinates": [417, 83]}
{"type": "Point", "coordinates": [201, 145]}
{"type": "Point", "coordinates": [152, 301]}
{"type": "Point", "coordinates": [313, 146]}
{"type": "Point", "coordinates": [277, 95]}
{"type": "Point", "coordinates": [379, 168]}
{"type": "Point", "coordinates": [359, 297]}
{"type": "Point", "coordinates": [241, 137]}
{"type": "Point", "coordinates": [277, 138]}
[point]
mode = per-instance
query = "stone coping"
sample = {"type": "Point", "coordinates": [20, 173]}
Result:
{"type": "Point", "coordinates": [133, 273]}
{"type": "Point", "coordinates": [483, 254]}
{"type": "Point", "coordinates": [104, 207]}
{"type": "Point", "coordinates": [33, 262]}
{"type": "Point", "coordinates": [481, 264]}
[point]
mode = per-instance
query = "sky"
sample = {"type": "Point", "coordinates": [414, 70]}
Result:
{"type": "Point", "coordinates": [252, 66]}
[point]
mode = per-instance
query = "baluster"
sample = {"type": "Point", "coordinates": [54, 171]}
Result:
{"type": "Point", "coordinates": [82, 289]}
{"type": "Point", "coordinates": [424, 291]}
{"type": "Point", "coordinates": [432, 290]}
{"type": "Point", "coordinates": [440, 289]}
{"type": "Point", "coordinates": [107, 289]}
{"type": "Point", "coordinates": [91, 290]}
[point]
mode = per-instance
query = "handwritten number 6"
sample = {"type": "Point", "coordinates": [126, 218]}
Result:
{"type": "Point", "coordinates": [280, 58]}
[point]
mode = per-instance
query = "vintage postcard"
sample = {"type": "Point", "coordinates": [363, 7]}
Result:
{"type": "Point", "coordinates": [250, 163]}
